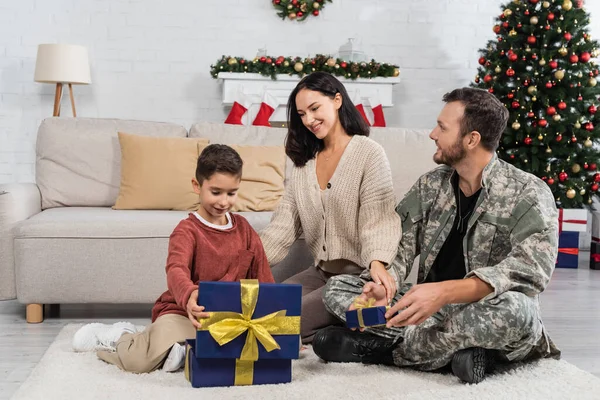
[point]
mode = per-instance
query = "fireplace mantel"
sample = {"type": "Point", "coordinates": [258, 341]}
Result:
{"type": "Point", "coordinates": [255, 85]}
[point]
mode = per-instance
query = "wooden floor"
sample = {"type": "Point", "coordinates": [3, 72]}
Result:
{"type": "Point", "coordinates": [570, 308]}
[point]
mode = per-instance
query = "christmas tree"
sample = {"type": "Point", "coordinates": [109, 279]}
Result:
{"type": "Point", "coordinates": [540, 67]}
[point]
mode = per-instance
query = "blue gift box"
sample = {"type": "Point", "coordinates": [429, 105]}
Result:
{"type": "Point", "coordinates": [226, 297]}
{"type": "Point", "coordinates": [371, 316]}
{"type": "Point", "coordinates": [568, 250]}
{"type": "Point", "coordinates": [207, 372]}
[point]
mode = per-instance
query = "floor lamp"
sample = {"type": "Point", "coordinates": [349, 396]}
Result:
{"type": "Point", "coordinates": [60, 64]}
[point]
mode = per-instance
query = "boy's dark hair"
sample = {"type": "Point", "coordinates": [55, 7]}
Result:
{"type": "Point", "coordinates": [484, 113]}
{"type": "Point", "coordinates": [218, 158]}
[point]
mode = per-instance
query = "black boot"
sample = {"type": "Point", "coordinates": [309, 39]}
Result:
{"type": "Point", "coordinates": [471, 365]}
{"type": "Point", "coordinates": [340, 344]}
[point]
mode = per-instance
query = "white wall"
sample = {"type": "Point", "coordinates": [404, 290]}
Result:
{"type": "Point", "coordinates": [150, 58]}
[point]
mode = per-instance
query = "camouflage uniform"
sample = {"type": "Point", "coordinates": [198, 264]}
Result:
{"type": "Point", "coordinates": [511, 243]}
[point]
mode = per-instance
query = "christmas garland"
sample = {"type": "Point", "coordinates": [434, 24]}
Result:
{"type": "Point", "coordinates": [272, 66]}
{"type": "Point", "coordinates": [298, 9]}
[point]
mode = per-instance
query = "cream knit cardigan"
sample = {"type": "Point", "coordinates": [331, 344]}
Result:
{"type": "Point", "coordinates": [362, 224]}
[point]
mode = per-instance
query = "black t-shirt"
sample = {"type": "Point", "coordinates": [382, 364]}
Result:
{"type": "Point", "coordinates": [450, 262]}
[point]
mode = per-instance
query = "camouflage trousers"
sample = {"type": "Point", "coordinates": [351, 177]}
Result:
{"type": "Point", "coordinates": [509, 323]}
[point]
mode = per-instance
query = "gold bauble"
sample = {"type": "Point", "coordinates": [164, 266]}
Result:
{"type": "Point", "coordinates": [289, 7]}
{"type": "Point", "coordinates": [546, 4]}
{"type": "Point", "coordinates": [298, 67]}
{"type": "Point", "coordinates": [516, 125]}
{"type": "Point", "coordinates": [330, 62]}
{"type": "Point", "coordinates": [588, 143]}
{"type": "Point", "coordinates": [286, 63]}
{"type": "Point", "coordinates": [232, 61]}
{"type": "Point", "coordinates": [580, 74]}
{"type": "Point", "coordinates": [542, 62]}
{"type": "Point", "coordinates": [292, 15]}
{"type": "Point", "coordinates": [396, 72]}
{"type": "Point", "coordinates": [533, 20]}
{"type": "Point", "coordinates": [576, 168]}
{"type": "Point", "coordinates": [559, 74]}
{"type": "Point", "coordinates": [498, 70]}
{"type": "Point", "coordinates": [303, 7]}
{"type": "Point", "coordinates": [540, 137]}
{"type": "Point", "coordinates": [582, 192]}
{"type": "Point", "coordinates": [577, 125]}
{"type": "Point", "coordinates": [595, 53]}
{"type": "Point", "coordinates": [556, 117]}
{"type": "Point", "coordinates": [567, 5]}
{"type": "Point", "coordinates": [534, 98]}
{"type": "Point", "coordinates": [507, 12]}
{"type": "Point", "coordinates": [559, 30]}
{"type": "Point", "coordinates": [563, 51]}
{"type": "Point", "coordinates": [316, 5]}
{"type": "Point", "coordinates": [532, 90]}
{"type": "Point", "coordinates": [548, 150]}
{"type": "Point", "coordinates": [592, 82]}
{"type": "Point", "coordinates": [571, 193]}
{"type": "Point", "coordinates": [512, 33]}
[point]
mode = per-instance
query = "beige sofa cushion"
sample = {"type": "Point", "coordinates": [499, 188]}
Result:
{"type": "Point", "coordinates": [261, 188]}
{"type": "Point", "coordinates": [157, 172]}
{"type": "Point", "coordinates": [78, 159]}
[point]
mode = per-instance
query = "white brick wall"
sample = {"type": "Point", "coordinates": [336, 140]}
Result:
{"type": "Point", "coordinates": [150, 58]}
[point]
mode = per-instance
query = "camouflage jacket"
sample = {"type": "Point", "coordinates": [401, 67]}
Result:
{"type": "Point", "coordinates": [512, 236]}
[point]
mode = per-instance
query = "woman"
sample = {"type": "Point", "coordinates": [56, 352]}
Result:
{"type": "Point", "coordinates": [340, 196]}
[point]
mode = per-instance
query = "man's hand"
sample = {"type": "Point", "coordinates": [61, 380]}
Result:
{"type": "Point", "coordinates": [194, 311]}
{"type": "Point", "coordinates": [419, 303]}
{"type": "Point", "coordinates": [381, 276]}
{"type": "Point", "coordinates": [371, 291]}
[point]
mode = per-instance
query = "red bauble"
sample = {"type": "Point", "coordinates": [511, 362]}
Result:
{"type": "Point", "coordinates": [491, 90]}
{"type": "Point", "coordinates": [505, 25]}
{"type": "Point", "coordinates": [510, 72]}
{"type": "Point", "coordinates": [550, 181]}
{"type": "Point", "coordinates": [526, 12]}
{"type": "Point", "coordinates": [486, 79]}
{"type": "Point", "coordinates": [548, 85]}
{"type": "Point", "coordinates": [534, 56]}
{"type": "Point", "coordinates": [278, 62]}
{"type": "Point", "coordinates": [547, 27]}
{"type": "Point", "coordinates": [567, 36]}
{"type": "Point", "coordinates": [592, 109]}
{"type": "Point", "coordinates": [589, 126]}
{"type": "Point", "coordinates": [533, 1]}
{"type": "Point", "coordinates": [594, 187]}
{"type": "Point", "coordinates": [496, 29]}
{"type": "Point", "coordinates": [276, 1]}
{"type": "Point", "coordinates": [481, 60]}
{"type": "Point", "coordinates": [544, 178]}
{"type": "Point", "coordinates": [502, 53]}
{"type": "Point", "coordinates": [596, 177]}
{"type": "Point", "coordinates": [531, 39]}
{"type": "Point", "coordinates": [574, 58]}
{"type": "Point", "coordinates": [499, 38]}
{"type": "Point", "coordinates": [596, 72]}
{"type": "Point", "coordinates": [510, 95]}
{"type": "Point", "coordinates": [316, 13]}
{"type": "Point", "coordinates": [263, 59]}
{"type": "Point", "coordinates": [551, 111]}
{"type": "Point", "coordinates": [585, 165]}
{"type": "Point", "coordinates": [553, 64]}
{"type": "Point", "coordinates": [592, 167]}
{"type": "Point", "coordinates": [527, 140]}
{"type": "Point", "coordinates": [543, 123]}
{"type": "Point", "coordinates": [299, 14]}
{"type": "Point", "coordinates": [526, 82]}
{"type": "Point", "coordinates": [488, 63]}
{"type": "Point", "coordinates": [562, 105]}
{"type": "Point", "coordinates": [512, 156]}
{"type": "Point", "coordinates": [295, 2]}
{"type": "Point", "coordinates": [530, 114]}
{"type": "Point", "coordinates": [563, 176]}
{"type": "Point", "coordinates": [515, 104]}
{"type": "Point", "coordinates": [343, 64]}
{"type": "Point", "coordinates": [585, 57]}
{"type": "Point", "coordinates": [580, 98]}
{"type": "Point", "coordinates": [519, 25]}
{"type": "Point", "coordinates": [551, 17]}
{"type": "Point", "coordinates": [558, 137]}
{"type": "Point", "coordinates": [242, 61]}
{"type": "Point", "coordinates": [574, 139]}
{"type": "Point", "coordinates": [513, 57]}
{"type": "Point", "coordinates": [269, 60]}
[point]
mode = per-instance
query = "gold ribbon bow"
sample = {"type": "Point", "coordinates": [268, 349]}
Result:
{"type": "Point", "coordinates": [359, 304]}
{"type": "Point", "coordinates": [226, 326]}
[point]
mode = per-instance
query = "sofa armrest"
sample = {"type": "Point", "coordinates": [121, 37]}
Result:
{"type": "Point", "coordinates": [18, 202]}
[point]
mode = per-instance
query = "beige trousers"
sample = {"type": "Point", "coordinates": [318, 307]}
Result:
{"type": "Point", "coordinates": [146, 351]}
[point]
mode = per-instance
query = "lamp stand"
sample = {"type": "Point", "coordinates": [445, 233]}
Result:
{"type": "Point", "coordinates": [58, 97]}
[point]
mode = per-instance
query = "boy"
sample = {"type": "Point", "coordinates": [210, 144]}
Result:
{"type": "Point", "coordinates": [210, 245]}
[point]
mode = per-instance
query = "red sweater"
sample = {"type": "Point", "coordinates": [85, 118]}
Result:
{"type": "Point", "coordinates": [200, 253]}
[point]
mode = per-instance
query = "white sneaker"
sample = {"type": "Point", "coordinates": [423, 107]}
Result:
{"type": "Point", "coordinates": [98, 336]}
{"type": "Point", "coordinates": [176, 358]}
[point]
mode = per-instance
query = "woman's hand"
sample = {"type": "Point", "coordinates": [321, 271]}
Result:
{"type": "Point", "coordinates": [194, 311]}
{"type": "Point", "coordinates": [381, 276]}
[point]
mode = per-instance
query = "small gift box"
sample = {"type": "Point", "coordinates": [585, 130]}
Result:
{"type": "Point", "coordinates": [568, 250]}
{"type": "Point", "coordinates": [366, 314]}
{"type": "Point", "coordinates": [573, 220]}
{"type": "Point", "coordinates": [249, 323]}
{"type": "Point", "coordinates": [595, 256]}
{"type": "Point", "coordinates": [212, 372]}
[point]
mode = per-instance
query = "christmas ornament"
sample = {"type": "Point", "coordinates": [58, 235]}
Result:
{"type": "Point", "coordinates": [530, 114]}
{"type": "Point", "coordinates": [543, 123]}
{"type": "Point", "coordinates": [531, 39]}
{"type": "Point", "coordinates": [596, 178]}
{"type": "Point", "coordinates": [498, 70]}
{"type": "Point", "coordinates": [592, 166]}
{"type": "Point", "coordinates": [588, 143]}
{"type": "Point", "coordinates": [585, 57]}
{"type": "Point", "coordinates": [556, 117]}
{"type": "Point", "coordinates": [563, 51]}
{"type": "Point", "coordinates": [560, 74]}
{"type": "Point", "coordinates": [540, 137]}
{"type": "Point", "coordinates": [551, 17]}
{"type": "Point", "coordinates": [496, 29]}
{"type": "Point", "coordinates": [507, 12]}
{"type": "Point", "coordinates": [330, 62]}
{"type": "Point", "coordinates": [510, 72]}
{"type": "Point", "coordinates": [567, 5]}
{"type": "Point", "coordinates": [582, 192]}
{"type": "Point", "coordinates": [551, 111]}
{"type": "Point", "coordinates": [298, 67]}
{"type": "Point", "coordinates": [550, 181]}
{"type": "Point", "coordinates": [533, 20]}
{"type": "Point", "coordinates": [562, 105]}
{"type": "Point", "coordinates": [532, 90]}
{"type": "Point", "coordinates": [589, 127]}
{"type": "Point", "coordinates": [592, 82]}
{"type": "Point", "coordinates": [558, 137]}
{"type": "Point", "coordinates": [510, 95]}
{"type": "Point", "coordinates": [567, 36]}
{"type": "Point", "coordinates": [576, 168]}
{"type": "Point", "coordinates": [571, 193]}
{"type": "Point", "coordinates": [528, 140]}
{"type": "Point", "coordinates": [553, 64]}
{"type": "Point", "coordinates": [563, 176]}
{"type": "Point", "coordinates": [577, 125]}
{"type": "Point", "coordinates": [594, 187]}
{"type": "Point", "coordinates": [542, 62]}
{"type": "Point", "coordinates": [396, 72]}
{"type": "Point", "coordinates": [574, 58]}
{"type": "Point", "coordinates": [482, 60]}
{"type": "Point", "coordinates": [512, 33]}
{"type": "Point", "coordinates": [515, 104]}
{"type": "Point", "coordinates": [548, 85]}
{"type": "Point", "coordinates": [592, 109]}
{"type": "Point", "coordinates": [549, 151]}
{"type": "Point", "coordinates": [513, 57]}
{"type": "Point", "coordinates": [516, 125]}
{"type": "Point", "coordinates": [546, 4]}
{"type": "Point", "coordinates": [573, 139]}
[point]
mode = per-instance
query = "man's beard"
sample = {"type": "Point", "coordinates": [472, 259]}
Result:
{"type": "Point", "coordinates": [453, 155]}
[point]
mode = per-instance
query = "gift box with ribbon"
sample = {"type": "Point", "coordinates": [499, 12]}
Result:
{"type": "Point", "coordinates": [568, 250]}
{"type": "Point", "coordinates": [366, 314]}
{"type": "Point", "coordinates": [595, 256]}
{"type": "Point", "coordinates": [573, 220]}
{"type": "Point", "coordinates": [249, 322]}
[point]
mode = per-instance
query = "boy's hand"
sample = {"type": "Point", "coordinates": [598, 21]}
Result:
{"type": "Point", "coordinates": [195, 311]}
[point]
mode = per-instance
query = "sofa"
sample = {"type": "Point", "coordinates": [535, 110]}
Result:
{"type": "Point", "coordinates": [62, 242]}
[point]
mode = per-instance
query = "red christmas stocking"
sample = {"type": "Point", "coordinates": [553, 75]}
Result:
{"type": "Point", "coordinates": [240, 106]}
{"type": "Point", "coordinates": [267, 108]}
{"type": "Point", "coordinates": [358, 103]}
{"type": "Point", "coordinates": [376, 107]}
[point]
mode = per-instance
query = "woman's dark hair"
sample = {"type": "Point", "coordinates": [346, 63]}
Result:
{"type": "Point", "coordinates": [301, 144]}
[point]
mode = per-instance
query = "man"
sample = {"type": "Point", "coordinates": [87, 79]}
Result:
{"type": "Point", "coordinates": [486, 236]}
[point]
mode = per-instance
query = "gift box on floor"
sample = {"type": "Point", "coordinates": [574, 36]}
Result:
{"type": "Point", "coordinates": [595, 256]}
{"type": "Point", "coordinates": [211, 372]}
{"type": "Point", "coordinates": [568, 250]}
{"type": "Point", "coordinates": [249, 323]}
{"type": "Point", "coordinates": [573, 220]}
{"type": "Point", "coordinates": [366, 314]}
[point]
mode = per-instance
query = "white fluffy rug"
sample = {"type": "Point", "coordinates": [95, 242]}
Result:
{"type": "Point", "coordinates": [63, 374]}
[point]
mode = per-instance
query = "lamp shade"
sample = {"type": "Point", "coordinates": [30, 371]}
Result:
{"type": "Point", "coordinates": [62, 63]}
